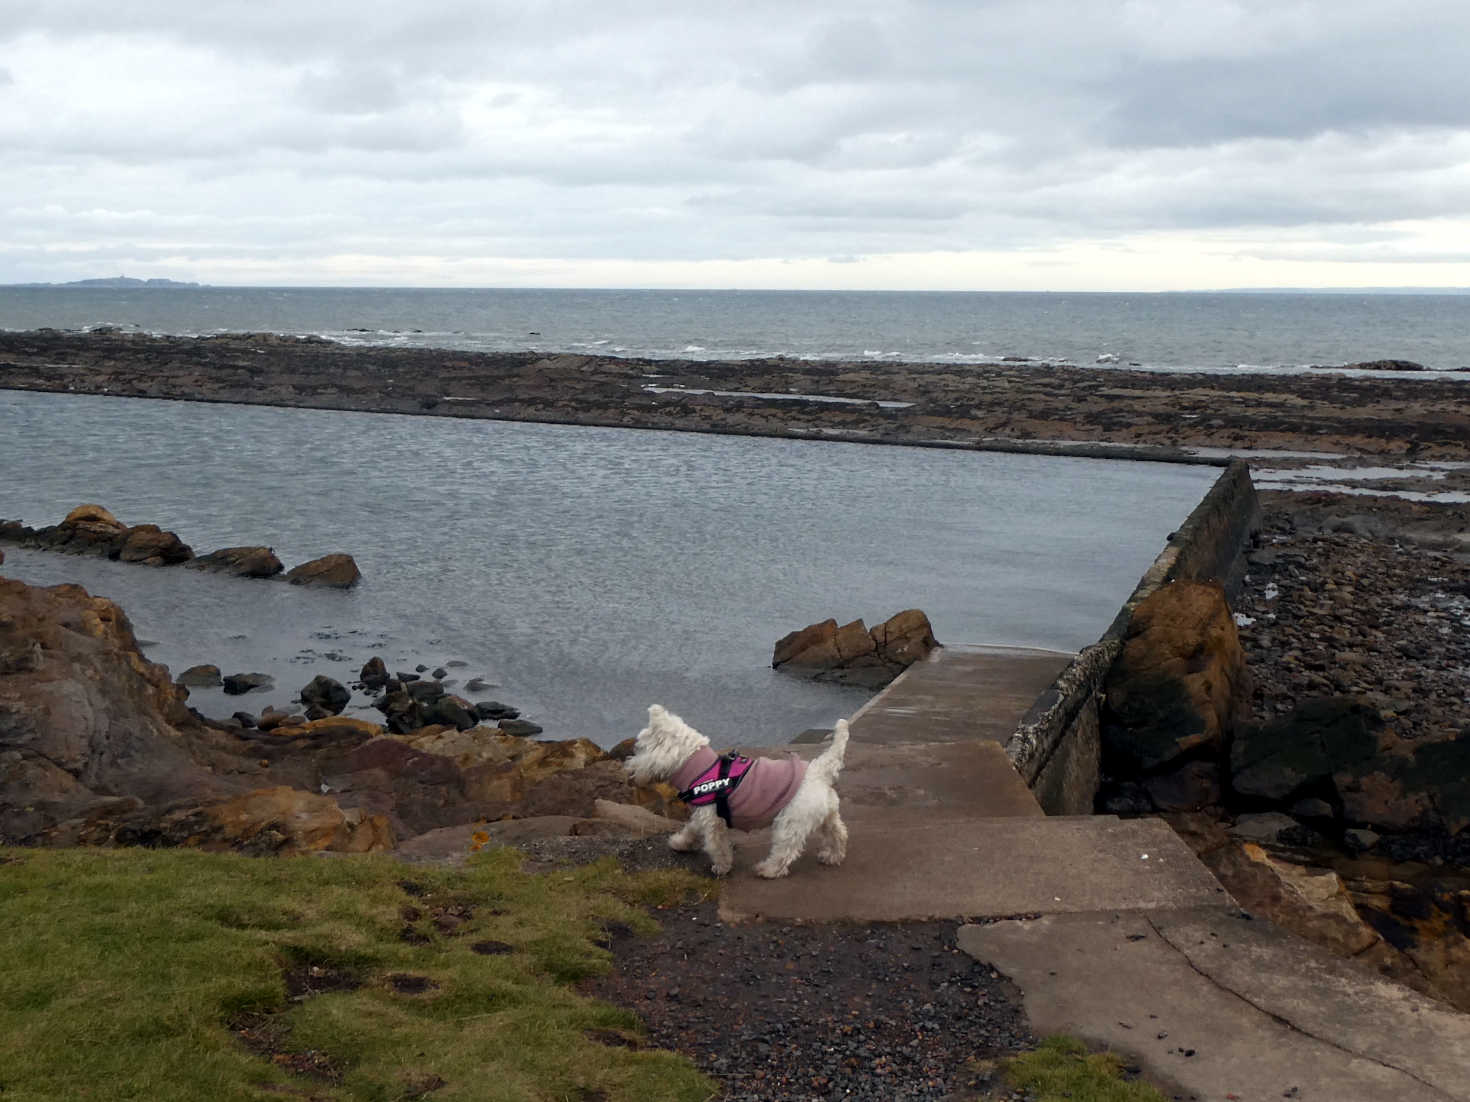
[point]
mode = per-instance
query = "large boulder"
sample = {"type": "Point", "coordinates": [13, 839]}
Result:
{"type": "Point", "coordinates": [243, 562]}
{"type": "Point", "coordinates": [332, 571]}
{"type": "Point", "coordinates": [852, 654]}
{"type": "Point", "coordinates": [1179, 684]}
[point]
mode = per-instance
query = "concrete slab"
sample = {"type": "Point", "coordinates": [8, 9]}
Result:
{"type": "Point", "coordinates": [1248, 1014]}
{"type": "Point", "coordinates": [959, 693]}
{"type": "Point", "coordinates": [905, 863]}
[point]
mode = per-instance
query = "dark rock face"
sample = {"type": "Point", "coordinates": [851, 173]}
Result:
{"type": "Point", "coordinates": [324, 693]}
{"type": "Point", "coordinates": [1302, 751]}
{"type": "Point", "coordinates": [243, 562]}
{"type": "Point", "coordinates": [238, 684]}
{"type": "Point", "coordinates": [336, 571]}
{"type": "Point", "coordinates": [851, 654]}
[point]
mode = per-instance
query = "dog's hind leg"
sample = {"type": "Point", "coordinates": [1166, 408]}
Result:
{"type": "Point", "coordinates": [833, 833]}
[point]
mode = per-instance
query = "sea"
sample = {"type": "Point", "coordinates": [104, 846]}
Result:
{"type": "Point", "coordinates": [583, 573]}
{"type": "Point", "coordinates": [1166, 332]}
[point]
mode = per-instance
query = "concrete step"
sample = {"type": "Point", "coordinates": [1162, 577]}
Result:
{"type": "Point", "coordinates": [1227, 1008]}
{"type": "Point", "coordinates": [908, 863]}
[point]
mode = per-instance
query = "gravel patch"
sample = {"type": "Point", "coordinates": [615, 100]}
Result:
{"type": "Point", "coordinates": [779, 1013]}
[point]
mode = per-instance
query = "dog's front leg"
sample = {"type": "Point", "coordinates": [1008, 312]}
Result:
{"type": "Point", "coordinates": [717, 844]}
{"type": "Point", "coordinates": [685, 839]}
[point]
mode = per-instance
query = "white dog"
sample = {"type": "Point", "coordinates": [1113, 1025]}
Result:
{"type": "Point", "coordinates": [796, 797]}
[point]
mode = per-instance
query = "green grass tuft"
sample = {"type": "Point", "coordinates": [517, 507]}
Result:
{"type": "Point", "coordinates": [171, 974]}
{"type": "Point", "coordinates": [1062, 1068]}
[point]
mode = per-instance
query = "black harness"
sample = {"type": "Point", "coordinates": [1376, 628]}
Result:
{"type": "Point", "coordinates": [716, 784]}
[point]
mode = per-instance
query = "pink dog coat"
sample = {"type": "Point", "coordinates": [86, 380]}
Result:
{"type": "Point", "coordinates": [747, 793]}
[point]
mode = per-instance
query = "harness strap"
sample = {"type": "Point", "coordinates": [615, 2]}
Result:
{"type": "Point", "coordinates": [716, 784]}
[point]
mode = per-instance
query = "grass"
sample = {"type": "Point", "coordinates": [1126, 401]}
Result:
{"type": "Point", "coordinates": [172, 974]}
{"type": "Point", "coordinates": [1063, 1068]}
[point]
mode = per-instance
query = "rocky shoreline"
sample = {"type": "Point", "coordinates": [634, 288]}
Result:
{"type": "Point", "coordinates": [1110, 412]}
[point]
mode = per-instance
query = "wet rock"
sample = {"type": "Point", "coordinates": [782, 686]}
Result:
{"type": "Point", "coordinates": [237, 684]}
{"type": "Point", "coordinates": [336, 571]}
{"type": "Point", "coordinates": [424, 691]}
{"type": "Point", "coordinates": [200, 677]}
{"type": "Point", "coordinates": [242, 562]}
{"type": "Point", "coordinates": [494, 710]}
{"type": "Point", "coordinates": [244, 719]}
{"type": "Point", "coordinates": [452, 711]}
{"type": "Point", "coordinates": [476, 685]}
{"type": "Point", "coordinates": [401, 712]}
{"type": "Point", "coordinates": [440, 673]}
{"type": "Point", "coordinates": [1179, 684]}
{"type": "Point", "coordinates": [374, 673]}
{"type": "Point", "coordinates": [325, 693]}
{"type": "Point", "coordinates": [520, 728]}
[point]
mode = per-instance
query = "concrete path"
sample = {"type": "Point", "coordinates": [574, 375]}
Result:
{"type": "Point", "coordinates": [1230, 1009]}
{"type": "Point", "coordinates": [1113, 929]}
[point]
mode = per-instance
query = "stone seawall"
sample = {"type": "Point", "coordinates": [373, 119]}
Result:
{"type": "Point", "coordinates": [1057, 746]}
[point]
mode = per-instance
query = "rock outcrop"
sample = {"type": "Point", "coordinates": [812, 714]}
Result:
{"type": "Point", "coordinates": [86, 721]}
{"type": "Point", "coordinates": [93, 530]}
{"type": "Point", "coordinates": [97, 746]}
{"type": "Point", "coordinates": [852, 654]}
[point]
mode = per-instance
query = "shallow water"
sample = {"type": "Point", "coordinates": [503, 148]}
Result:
{"type": "Point", "coordinates": [585, 572]}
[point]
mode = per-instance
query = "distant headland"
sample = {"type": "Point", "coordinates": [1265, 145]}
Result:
{"type": "Point", "coordinates": [112, 282]}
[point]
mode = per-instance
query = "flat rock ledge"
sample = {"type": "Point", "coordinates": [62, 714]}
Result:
{"type": "Point", "coordinates": [93, 530]}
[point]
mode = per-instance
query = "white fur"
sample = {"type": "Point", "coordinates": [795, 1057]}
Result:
{"type": "Point", "coordinates": [668, 742]}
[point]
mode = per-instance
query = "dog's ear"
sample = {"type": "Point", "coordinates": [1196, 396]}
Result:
{"type": "Point", "coordinates": [656, 712]}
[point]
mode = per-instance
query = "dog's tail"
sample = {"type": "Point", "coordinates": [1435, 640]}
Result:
{"type": "Point", "coordinates": [828, 763]}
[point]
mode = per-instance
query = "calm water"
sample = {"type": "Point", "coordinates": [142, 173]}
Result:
{"type": "Point", "coordinates": [1213, 332]}
{"type": "Point", "coordinates": [586, 572]}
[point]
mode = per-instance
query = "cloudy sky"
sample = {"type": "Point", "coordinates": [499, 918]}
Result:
{"type": "Point", "coordinates": [947, 144]}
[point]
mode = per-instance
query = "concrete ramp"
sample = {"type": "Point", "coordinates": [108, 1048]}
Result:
{"type": "Point", "coordinates": [959, 694]}
{"type": "Point", "coordinates": [916, 863]}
